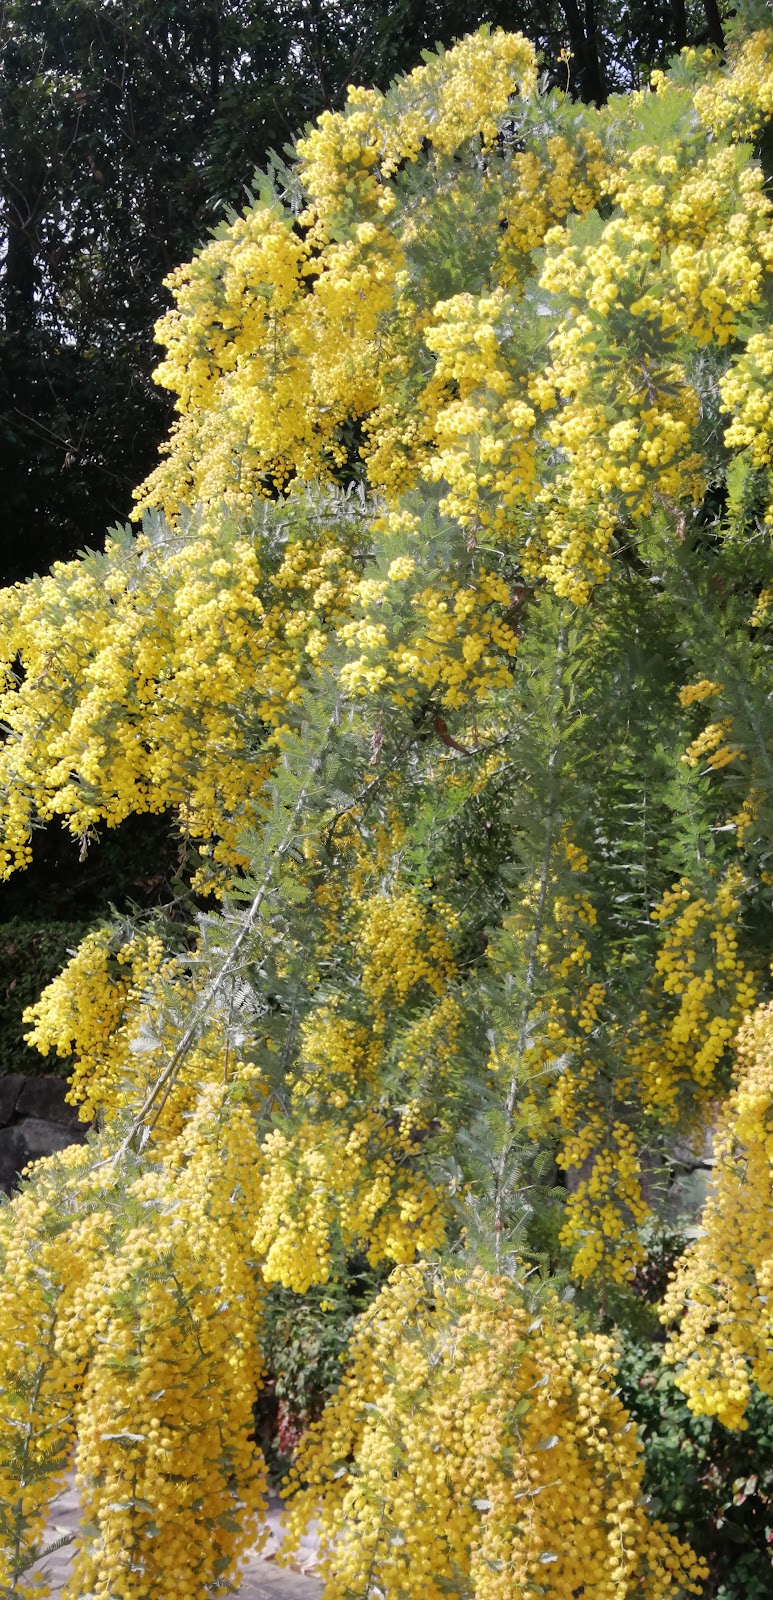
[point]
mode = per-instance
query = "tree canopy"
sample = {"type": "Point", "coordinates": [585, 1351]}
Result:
{"type": "Point", "coordinates": [124, 132]}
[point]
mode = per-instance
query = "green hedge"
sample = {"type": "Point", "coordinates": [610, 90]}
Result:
{"type": "Point", "coordinates": [713, 1488]}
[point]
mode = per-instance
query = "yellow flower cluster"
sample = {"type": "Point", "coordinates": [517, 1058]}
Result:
{"type": "Point", "coordinates": [542, 188]}
{"type": "Point", "coordinates": [447, 1380]}
{"type": "Point", "coordinates": [142, 1312]}
{"type": "Point", "coordinates": [762, 609]}
{"type": "Point", "coordinates": [668, 1055]}
{"type": "Point", "coordinates": [485, 435]}
{"type": "Point", "coordinates": [428, 1051]}
{"type": "Point", "coordinates": [92, 1010]}
{"type": "Point", "coordinates": [116, 1008]}
{"type": "Point", "coordinates": [705, 689]}
{"type": "Point", "coordinates": [578, 1090]}
{"type": "Point", "coordinates": [165, 1427]}
{"type": "Point", "coordinates": [740, 101]}
{"type": "Point", "coordinates": [160, 676]}
{"type": "Point", "coordinates": [36, 1385]}
{"type": "Point", "coordinates": [287, 330]}
{"type": "Point", "coordinates": [402, 946]}
{"type": "Point", "coordinates": [458, 644]}
{"type": "Point", "coordinates": [273, 344]}
{"type": "Point", "coordinates": [448, 101]}
{"type": "Point", "coordinates": [680, 262]}
{"type": "Point", "coordinates": [746, 393]}
{"type": "Point", "coordinates": [698, 964]}
{"type": "Point", "coordinates": [713, 745]}
{"type": "Point", "coordinates": [605, 1205]}
{"type": "Point", "coordinates": [209, 344]}
{"type": "Point", "coordinates": [348, 1186]}
{"type": "Point", "coordinates": [605, 1209]}
{"type": "Point", "coordinates": [722, 1288]}
{"type": "Point", "coordinates": [339, 1056]}
{"type": "Point", "coordinates": [354, 1184]}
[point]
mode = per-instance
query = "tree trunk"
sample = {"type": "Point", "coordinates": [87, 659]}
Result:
{"type": "Point", "coordinates": [679, 15]}
{"type": "Point", "coordinates": [714, 24]}
{"type": "Point", "coordinates": [583, 41]}
{"type": "Point", "coordinates": [19, 277]}
{"type": "Point", "coordinates": [215, 56]}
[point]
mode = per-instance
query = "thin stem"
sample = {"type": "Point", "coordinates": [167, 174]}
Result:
{"type": "Point", "coordinates": [156, 1098]}
{"type": "Point", "coordinates": [534, 943]}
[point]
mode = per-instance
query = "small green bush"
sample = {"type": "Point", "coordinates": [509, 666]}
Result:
{"type": "Point", "coordinates": [304, 1340]}
{"type": "Point", "coordinates": [713, 1488]}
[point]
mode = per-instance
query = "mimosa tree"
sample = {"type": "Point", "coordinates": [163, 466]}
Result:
{"type": "Point", "coordinates": [443, 637]}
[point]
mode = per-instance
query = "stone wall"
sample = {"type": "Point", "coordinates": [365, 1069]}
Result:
{"type": "Point", "coordinates": [34, 1121]}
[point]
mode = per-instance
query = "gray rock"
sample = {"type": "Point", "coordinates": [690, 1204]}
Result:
{"type": "Point", "coordinates": [42, 1137]}
{"type": "Point", "coordinates": [261, 1580]}
{"type": "Point", "coordinates": [27, 1141]}
{"type": "Point", "coordinates": [10, 1089]}
{"type": "Point", "coordinates": [13, 1156]}
{"type": "Point", "coordinates": [44, 1097]}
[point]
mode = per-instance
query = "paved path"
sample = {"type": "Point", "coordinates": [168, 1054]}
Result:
{"type": "Point", "coordinates": [263, 1579]}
